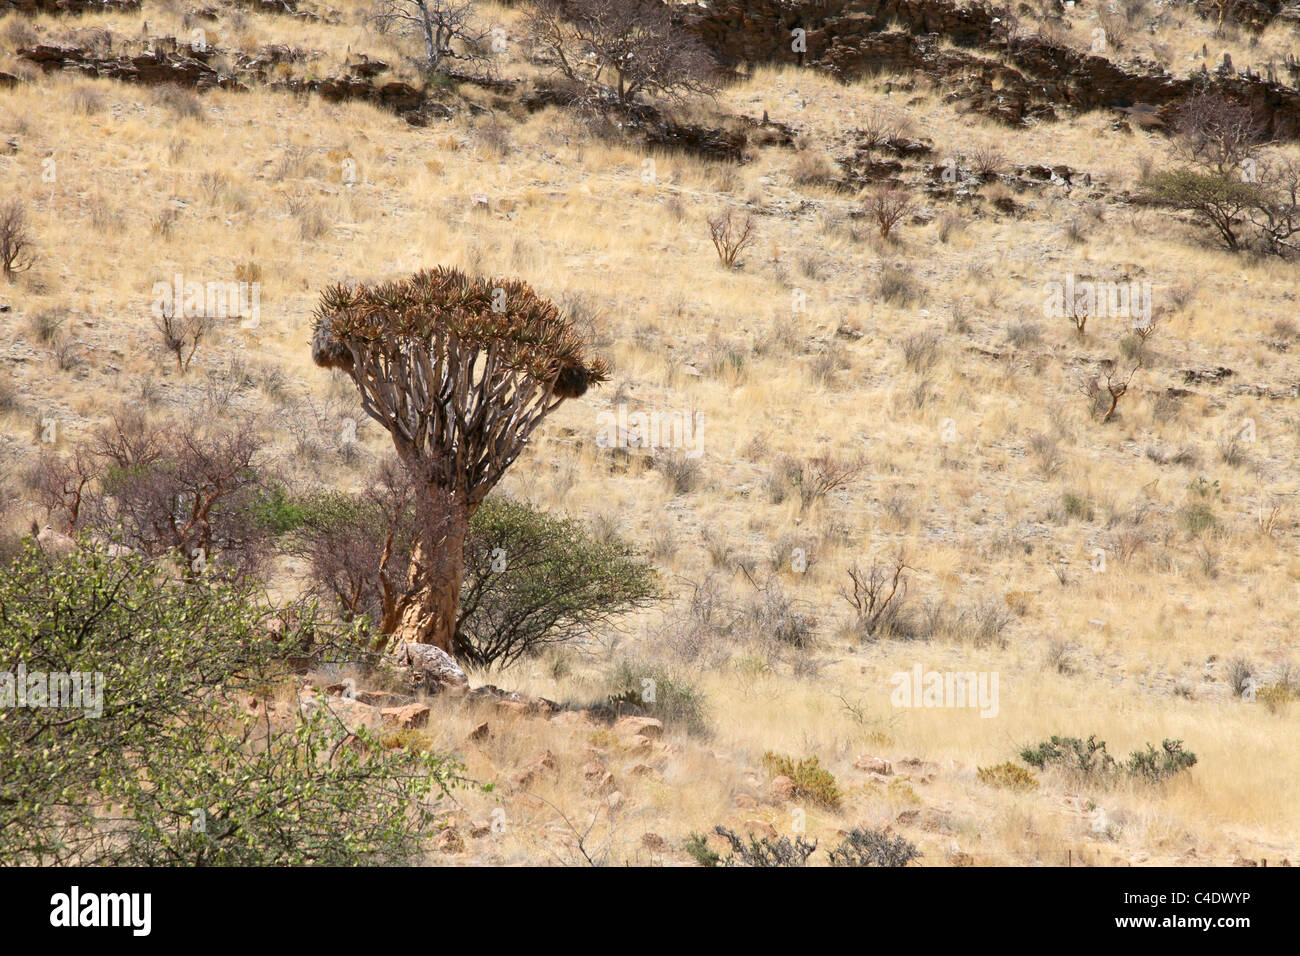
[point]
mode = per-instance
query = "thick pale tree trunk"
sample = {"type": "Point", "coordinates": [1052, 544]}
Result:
{"type": "Point", "coordinates": [427, 612]}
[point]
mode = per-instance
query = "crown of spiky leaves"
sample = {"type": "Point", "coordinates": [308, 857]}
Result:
{"type": "Point", "coordinates": [526, 332]}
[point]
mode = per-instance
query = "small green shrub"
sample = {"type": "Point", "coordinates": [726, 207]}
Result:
{"type": "Point", "coordinates": [811, 780]}
{"type": "Point", "coordinates": [1076, 506]}
{"type": "Point", "coordinates": [698, 849]}
{"type": "Point", "coordinates": [1275, 696]}
{"type": "Point", "coordinates": [1198, 518]}
{"type": "Point", "coordinates": [1156, 766]}
{"type": "Point", "coordinates": [276, 512]}
{"type": "Point", "coordinates": [663, 695]}
{"type": "Point", "coordinates": [1090, 761]}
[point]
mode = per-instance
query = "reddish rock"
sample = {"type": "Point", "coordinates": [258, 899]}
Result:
{"type": "Point", "coordinates": [640, 744]}
{"type": "Point", "coordinates": [449, 841]}
{"type": "Point", "coordinates": [543, 763]}
{"type": "Point", "coordinates": [782, 788]}
{"type": "Point", "coordinates": [410, 717]}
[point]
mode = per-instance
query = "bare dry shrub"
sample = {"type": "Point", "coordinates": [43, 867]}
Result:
{"type": "Point", "coordinates": [886, 206]}
{"type": "Point", "coordinates": [731, 235]}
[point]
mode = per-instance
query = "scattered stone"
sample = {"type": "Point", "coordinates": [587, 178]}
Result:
{"type": "Point", "coordinates": [431, 668]}
{"type": "Point", "coordinates": [449, 841]}
{"type": "Point", "coordinates": [410, 717]}
{"type": "Point", "coordinates": [55, 543]}
{"type": "Point", "coordinates": [874, 765]}
{"type": "Point", "coordinates": [1206, 375]}
{"type": "Point", "coordinates": [379, 698]}
{"type": "Point", "coordinates": [543, 763]}
{"type": "Point", "coordinates": [640, 744]}
{"type": "Point", "coordinates": [649, 727]}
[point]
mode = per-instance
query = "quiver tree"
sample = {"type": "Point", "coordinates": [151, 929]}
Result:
{"type": "Point", "coordinates": [460, 371]}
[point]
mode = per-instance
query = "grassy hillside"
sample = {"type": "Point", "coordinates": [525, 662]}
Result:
{"type": "Point", "coordinates": [1118, 578]}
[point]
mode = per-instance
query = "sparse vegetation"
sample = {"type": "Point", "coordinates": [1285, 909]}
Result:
{"type": "Point", "coordinates": [731, 235]}
{"type": "Point", "coordinates": [1007, 776]}
{"type": "Point", "coordinates": [886, 207]}
{"type": "Point", "coordinates": [17, 251]}
{"type": "Point", "coordinates": [1088, 760]}
{"type": "Point", "coordinates": [893, 409]}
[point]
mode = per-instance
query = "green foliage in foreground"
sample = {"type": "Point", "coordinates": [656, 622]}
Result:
{"type": "Point", "coordinates": [170, 765]}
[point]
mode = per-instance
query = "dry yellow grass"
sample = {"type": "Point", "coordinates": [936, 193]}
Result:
{"type": "Point", "coordinates": [951, 472]}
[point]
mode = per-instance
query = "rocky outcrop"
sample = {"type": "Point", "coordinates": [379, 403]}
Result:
{"type": "Point", "coordinates": [1252, 14]}
{"type": "Point", "coordinates": [73, 6]}
{"type": "Point", "coordinates": [407, 101]}
{"type": "Point", "coordinates": [286, 8]}
{"type": "Point", "coordinates": [167, 61]}
{"type": "Point", "coordinates": [1011, 79]}
{"type": "Point", "coordinates": [656, 129]}
{"type": "Point", "coordinates": [170, 61]}
{"type": "Point", "coordinates": [709, 142]}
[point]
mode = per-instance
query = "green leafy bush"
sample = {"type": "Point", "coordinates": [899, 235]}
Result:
{"type": "Point", "coordinates": [662, 695]}
{"type": "Point", "coordinates": [1085, 758]}
{"type": "Point", "coordinates": [173, 766]}
{"type": "Point", "coordinates": [531, 580]}
{"type": "Point", "coordinates": [1155, 765]}
{"type": "Point", "coordinates": [1220, 200]}
{"type": "Point", "coordinates": [1090, 761]}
